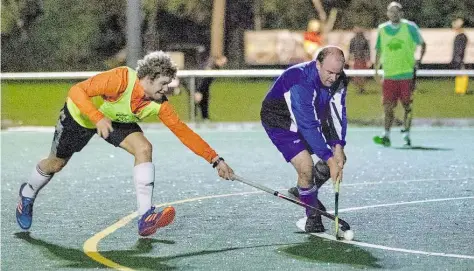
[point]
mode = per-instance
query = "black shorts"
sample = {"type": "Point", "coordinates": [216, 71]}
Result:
{"type": "Point", "coordinates": [70, 137]}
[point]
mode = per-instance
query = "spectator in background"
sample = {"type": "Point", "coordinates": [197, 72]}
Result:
{"type": "Point", "coordinates": [459, 48]}
{"type": "Point", "coordinates": [202, 95]}
{"type": "Point", "coordinates": [460, 44]}
{"type": "Point", "coordinates": [359, 56]}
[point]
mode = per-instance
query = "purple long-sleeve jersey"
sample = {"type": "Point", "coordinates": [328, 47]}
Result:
{"type": "Point", "coordinates": [299, 102]}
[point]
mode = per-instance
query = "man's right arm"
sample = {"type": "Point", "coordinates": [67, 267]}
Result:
{"type": "Point", "coordinates": [377, 61]}
{"type": "Point", "coordinates": [378, 47]}
{"type": "Point", "coordinates": [378, 51]}
{"type": "Point", "coordinates": [309, 126]}
{"type": "Point", "coordinates": [307, 120]}
{"type": "Point", "coordinates": [109, 83]}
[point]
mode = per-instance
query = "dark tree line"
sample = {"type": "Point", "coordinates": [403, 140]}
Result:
{"type": "Point", "coordinates": [71, 35]}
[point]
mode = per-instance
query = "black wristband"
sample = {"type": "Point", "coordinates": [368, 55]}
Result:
{"type": "Point", "coordinates": [214, 165]}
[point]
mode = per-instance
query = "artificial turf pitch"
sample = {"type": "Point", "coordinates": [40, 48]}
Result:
{"type": "Point", "coordinates": [418, 200]}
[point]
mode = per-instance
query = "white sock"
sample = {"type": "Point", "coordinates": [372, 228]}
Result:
{"type": "Point", "coordinates": [38, 180]}
{"type": "Point", "coordinates": [144, 179]}
{"type": "Point", "coordinates": [386, 134]}
{"type": "Point", "coordinates": [405, 134]}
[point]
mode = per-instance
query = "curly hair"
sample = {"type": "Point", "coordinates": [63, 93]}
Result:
{"type": "Point", "coordinates": [155, 64]}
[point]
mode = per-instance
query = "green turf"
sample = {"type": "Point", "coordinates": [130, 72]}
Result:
{"type": "Point", "coordinates": [38, 103]}
{"type": "Point", "coordinates": [415, 200]}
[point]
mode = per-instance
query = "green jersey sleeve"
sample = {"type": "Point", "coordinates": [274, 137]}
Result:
{"type": "Point", "coordinates": [415, 32]}
{"type": "Point", "coordinates": [377, 44]}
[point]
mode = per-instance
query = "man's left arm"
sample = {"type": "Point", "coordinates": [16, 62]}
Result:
{"type": "Point", "coordinates": [335, 128]}
{"type": "Point", "coordinates": [416, 35]}
{"type": "Point", "coordinates": [193, 141]}
{"type": "Point", "coordinates": [187, 136]}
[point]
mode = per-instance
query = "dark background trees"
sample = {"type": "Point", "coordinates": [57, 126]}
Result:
{"type": "Point", "coordinates": [72, 35]}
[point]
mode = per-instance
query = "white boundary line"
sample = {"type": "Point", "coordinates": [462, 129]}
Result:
{"type": "Point", "coordinates": [401, 203]}
{"type": "Point", "coordinates": [225, 127]}
{"type": "Point", "coordinates": [301, 224]}
{"type": "Point", "coordinates": [402, 181]}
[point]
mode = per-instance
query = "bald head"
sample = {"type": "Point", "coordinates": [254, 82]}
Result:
{"type": "Point", "coordinates": [330, 51]}
{"type": "Point", "coordinates": [330, 63]}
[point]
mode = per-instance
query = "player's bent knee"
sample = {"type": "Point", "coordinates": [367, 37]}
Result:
{"type": "Point", "coordinates": [144, 149]}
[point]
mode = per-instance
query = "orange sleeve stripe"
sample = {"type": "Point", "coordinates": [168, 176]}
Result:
{"type": "Point", "coordinates": [109, 84]}
{"type": "Point", "coordinates": [187, 136]}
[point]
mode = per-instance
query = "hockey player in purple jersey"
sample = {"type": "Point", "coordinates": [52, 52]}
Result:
{"type": "Point", "coordinates": [304, 113]}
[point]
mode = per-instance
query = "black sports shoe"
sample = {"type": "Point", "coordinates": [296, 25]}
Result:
{"type": "Point", "coordinates": [314, 223]}
{"type": "Point", "coordinates": [293, 191]}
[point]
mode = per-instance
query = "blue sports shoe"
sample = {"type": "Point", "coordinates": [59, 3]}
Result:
{"type": "Point", "coordinates": [152, 220]}
{"type": "Point", "coordinates": [24, 210]}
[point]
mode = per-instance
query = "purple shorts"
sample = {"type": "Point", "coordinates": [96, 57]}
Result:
{"type": "Point", "coordinates": [287, 142]}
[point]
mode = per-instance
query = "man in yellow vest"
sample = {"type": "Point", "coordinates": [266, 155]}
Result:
{"type": "Point", "coordinates": [396, 44]}
{"type": "Point", "coordinates": [110, 104]}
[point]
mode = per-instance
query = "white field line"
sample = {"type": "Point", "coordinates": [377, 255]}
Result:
{"type": "Point", "coordinates": [301, 224]}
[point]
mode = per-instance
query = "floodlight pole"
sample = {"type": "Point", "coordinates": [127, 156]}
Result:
{"type": "Point", "coordinates": [217, 28]}
{"type": "Point", "coordinates": [134, 41]}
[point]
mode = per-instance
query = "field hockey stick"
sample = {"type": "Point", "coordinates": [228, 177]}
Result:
{"type": "Point", "coordinates": [336, 207]}
{"type": "Point", "coordinates": [344, 224]}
